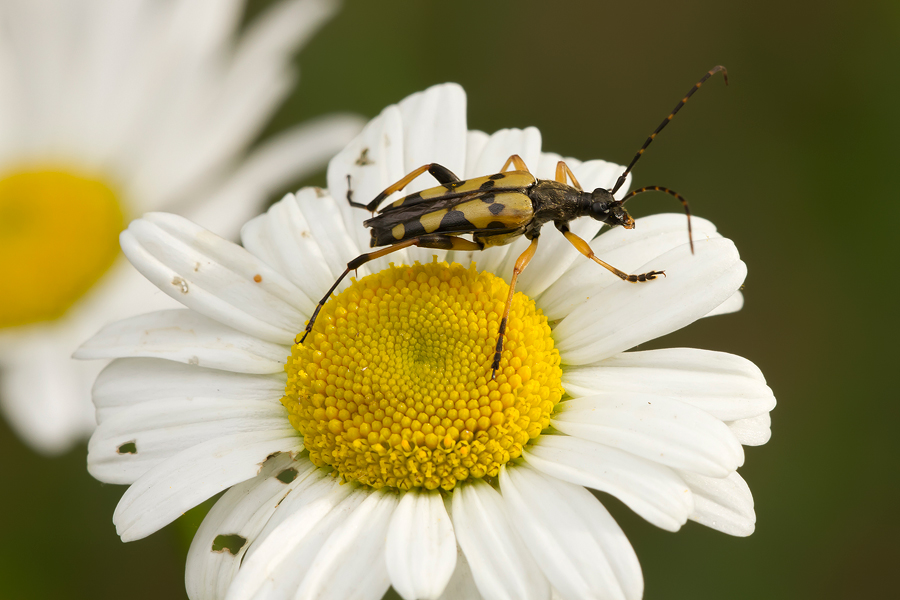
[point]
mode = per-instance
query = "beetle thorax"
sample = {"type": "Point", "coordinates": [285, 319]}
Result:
{"type": "Point", "coordinates": [555, 201]}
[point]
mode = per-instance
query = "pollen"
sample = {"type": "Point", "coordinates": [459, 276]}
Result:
{"type": "Point", "coordinates": [59, 233]}
{"type": "Point", "coordinates": [393, 385]}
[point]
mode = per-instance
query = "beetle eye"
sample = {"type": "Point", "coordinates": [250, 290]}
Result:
{"type": "Point", "coordinates": [599, 208]}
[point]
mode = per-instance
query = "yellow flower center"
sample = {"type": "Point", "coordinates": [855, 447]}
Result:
{"type": "Point", "coordinates": [58, 234]}
{"type": "Point", "coordinates": [393, 386]}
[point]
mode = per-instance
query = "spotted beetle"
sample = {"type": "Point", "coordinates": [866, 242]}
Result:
{"type": "Point", "coordinates": [497, 209]}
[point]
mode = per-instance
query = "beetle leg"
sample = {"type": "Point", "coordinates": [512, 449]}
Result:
{"type": "Point", "coordinates": [439, 172]}
{"type": "Point", "coordinates": [583, 247]}
{"type": "Point", "coordinates": [521, 263]}
{"type": "Point", "coordinates": [562, 169]}
{"type": "Point", "coordinates": [436, 240]}
{"type": "Point", "coordinates": [350, 196]}
{"type": "Point", "coordinates": [516, 161]}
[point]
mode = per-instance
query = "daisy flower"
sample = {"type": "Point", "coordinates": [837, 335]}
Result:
{"type": "Point", "coordinates": [379, 452]}
{"type": "Point", "coordinates": [110, 109]}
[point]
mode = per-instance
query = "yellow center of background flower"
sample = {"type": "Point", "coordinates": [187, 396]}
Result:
{"type": "Point", "coordinates": [58, 234]}
{"type": "Point", "coordinates": [393, 386]}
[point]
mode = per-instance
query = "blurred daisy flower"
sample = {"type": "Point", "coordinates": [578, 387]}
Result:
{"type": "Point", "coordinates": [379, 452]}
{"type": "Point", "coordinates": [109, 109]}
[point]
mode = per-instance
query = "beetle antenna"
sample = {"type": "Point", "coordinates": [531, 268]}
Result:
{"type": "Point", "coordinates": [665, 122]}
{"type": "Point", "coordinates": [656, 188]}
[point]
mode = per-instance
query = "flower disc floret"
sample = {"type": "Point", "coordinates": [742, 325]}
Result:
{"type": "Point", "coordinates": [393, 385]}
{"type": "Point", "coordinates": [59, 233]}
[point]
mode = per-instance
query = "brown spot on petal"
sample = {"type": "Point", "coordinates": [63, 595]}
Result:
{"type": "Point", "coordinates": [181, 284]}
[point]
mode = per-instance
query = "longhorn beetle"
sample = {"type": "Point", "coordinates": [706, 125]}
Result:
{"type": "Point", "coordinates": [496, 209]}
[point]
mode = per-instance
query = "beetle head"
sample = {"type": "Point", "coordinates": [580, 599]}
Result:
{"type": "Point", "coordinates": [607, 209]}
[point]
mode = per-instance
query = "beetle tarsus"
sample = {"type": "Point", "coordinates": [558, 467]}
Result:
{"type": "Point", "coordinates": [649, 276]}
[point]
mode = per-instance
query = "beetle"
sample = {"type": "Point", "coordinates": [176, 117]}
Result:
{"type": "Point", "coordinates": [496, 210]}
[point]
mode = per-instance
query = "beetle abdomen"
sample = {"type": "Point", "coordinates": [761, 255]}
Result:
{"type": "Point", "coordinates": [485, 211]}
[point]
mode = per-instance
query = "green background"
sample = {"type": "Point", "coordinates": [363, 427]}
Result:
{"type": "Point", "coordinates": [794, 161]}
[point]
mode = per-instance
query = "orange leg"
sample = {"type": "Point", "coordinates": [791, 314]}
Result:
{"type": "Point", "coordinates": [439, 172]}
{"type": "Point", "coordinates": [436, 240]}
{"type": "Point", "coordinates": [562, 169]}
{"type": "Point", "coordinates": [583, 247]}
{"type": "Point", "coordinates": [521, 263]}
{"type": "Point", "coordinates": [516, 161]}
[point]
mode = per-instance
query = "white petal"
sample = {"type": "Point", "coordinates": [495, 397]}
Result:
{"type": "Point", "coordinates": [732, 305]}
{"type": "Point", "coordinates": [435, 131]}
{"type": "Point", "coordinates": [126, 382]}
{"type": "Point", "coordinates": [275, 565]}
{"type": "Point", "coordinates": [626, 314]}
{"type": "Point", "coordinates": [546, 165]}
{"type": "Point", "coordinates": [722, 504]}
{"type": "Point", "coordinates": [754, 431]}
{"type": "Point", "coordinates": [726, 386]}
{"type": "Point", "coordinates": [374, 160]}
{"type": "Point", "coordinates": [234, 523]}
{"type": "Point", "coordinates": [579, 546]}
{"type": "Point", "coordinates": [502, 567]}
{"type": "Point", "coordinates": [215, 277]}
{"type": "Point", "coordinates": [434, 123]}
{"type": "Point", "coordinates": [421, 547]}
{"type": "Point", "coordinates": [172, 487]}
{"type": "Point", "coordinates": [187, 337]}
{"type": "Point", "coordinates": [504, 143]}
{"type": "Point", "coordinates": [130, 443]}
{"type": "Point", "coordinates": [462, 584]}
{"type": "Point", "coordinates": [279, 161]}
{"type": "Point", "coordinates": [624, 249]}
{"type": "Point", "coordinates": [303, 237]}
{"type": "Point", "coordinates": [475, 144]}
{"type": "Point", "coordinates": [651, 490]}
{"type": "Point", "coordinates": [223, 107]}
{"type": "Point", "coordinates": [425, 127]}
{"type": "Point", "coordinates": [351, 563]}
{"type": "Point", "coordinates": [666, 431]}
{"type": "Point", "coordinates": [196, 33]}
{"type": "Point", "coordinates": [44, 393]}
{"type": "Point", "coordinates": [284, 28]}
{"type": "Point", "coordinates": [52, 413]}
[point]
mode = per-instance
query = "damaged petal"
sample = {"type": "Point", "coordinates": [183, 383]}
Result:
{"type": "Point", "coordinates": [287, 476]}
{"type": "Point", "coordinates": [231, 543]}
{"type": "Point", "coordinates": [363, 159]}
{"type": "Point", "coordinates": [181, 283]}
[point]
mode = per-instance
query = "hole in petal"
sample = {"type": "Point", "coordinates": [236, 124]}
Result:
{"type": "Point", "coordinates": [287, 476]}
{"type": "Point", "coordinates": [231, 543]}
{"type": "Point", "coordinates": [127, 448]}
